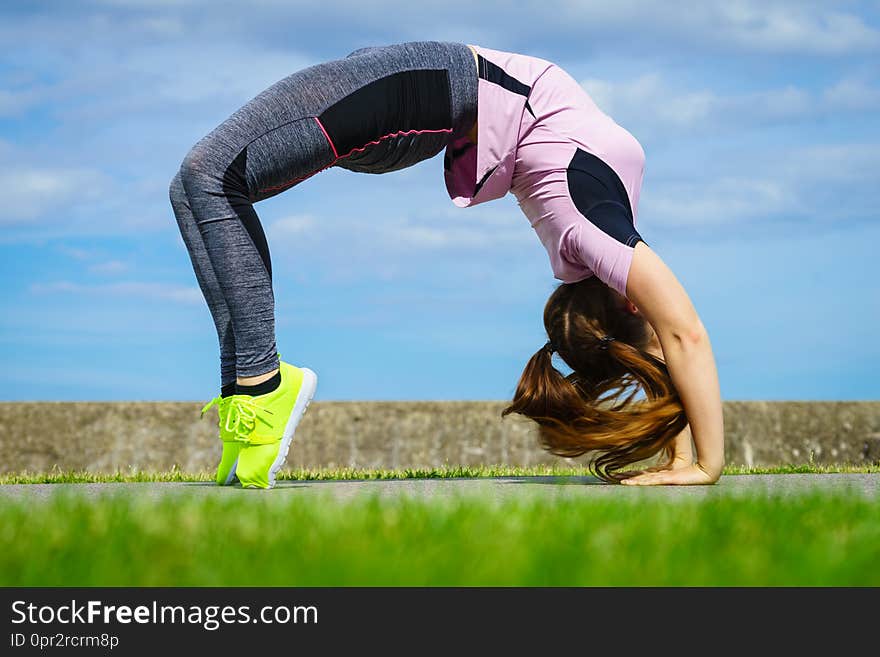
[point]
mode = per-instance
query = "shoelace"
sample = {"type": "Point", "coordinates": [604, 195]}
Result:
{"type": "Point", "coordinates": [211, 403]}
{"type": "Point", "coordinates": [217, 401]}
{"type": "Point", "coordinates": [242, 417]}
{"type": "Point", "coordinates": [243, 412]}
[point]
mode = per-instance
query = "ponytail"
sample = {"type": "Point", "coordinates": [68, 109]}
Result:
{"type": "Point", "coordinates": [593, 409]}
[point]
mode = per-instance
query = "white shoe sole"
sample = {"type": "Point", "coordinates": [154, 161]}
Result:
{"type": "Point", "coordinates": [303, 399]}
{"type": "Point", "coordinates": [231, 478]}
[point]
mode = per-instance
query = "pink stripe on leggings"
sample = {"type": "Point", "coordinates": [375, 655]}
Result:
{"type": "Point", "coordinates": [338, 157]}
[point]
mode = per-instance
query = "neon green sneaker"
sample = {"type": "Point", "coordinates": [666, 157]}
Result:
{"type": "Point", "coordinates": [265, 425]}
{"type": "Point", "coordinates": [231, 446]}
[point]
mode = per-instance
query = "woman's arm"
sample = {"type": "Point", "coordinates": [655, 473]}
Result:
{"type": "Point", "coordinates": [684, 449]}
{"type": "Point", "coordinates": [663, 302]}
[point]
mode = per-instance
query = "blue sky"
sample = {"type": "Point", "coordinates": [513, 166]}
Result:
{"type": "Point", "coordinates": [759, 120]}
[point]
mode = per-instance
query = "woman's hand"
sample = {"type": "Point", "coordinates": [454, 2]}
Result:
{"type": "Point", "coordinates": [688, 475]}
{"type": "Point", "coordinates": [683, 455]}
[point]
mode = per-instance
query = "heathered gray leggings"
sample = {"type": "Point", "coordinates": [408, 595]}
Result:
{"type": "Point", "coordinates": [378, 109]}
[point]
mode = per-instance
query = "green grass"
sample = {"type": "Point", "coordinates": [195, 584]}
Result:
{"type": "Point", "coordinates": [270, 540]}
{"type": "Point", "coordinates": [341, 474]}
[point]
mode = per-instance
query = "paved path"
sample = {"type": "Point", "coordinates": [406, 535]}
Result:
{"type": "Point", "coordinates": [498, 488]}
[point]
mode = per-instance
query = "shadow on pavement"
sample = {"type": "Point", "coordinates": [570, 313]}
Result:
{"type": "Point", "coordinates": [546, 480]}
{"type": "Point", "coordinates": [555, 481]}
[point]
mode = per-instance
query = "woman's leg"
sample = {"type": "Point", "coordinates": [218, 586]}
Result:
{"type": "Point", "coordinates": [208, 283]}
{"type": "Point", "coordinates": [221, 177]}
{"type": "Point", "coordinates": [213, 196]}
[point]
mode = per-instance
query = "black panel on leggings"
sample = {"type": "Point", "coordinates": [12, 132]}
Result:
{"type": "Point", "coordinates": [236, 190]}
{"type": "Point", "coordinates": [600, 196]}
{"type": "Point", "coordinates": [409, 100]}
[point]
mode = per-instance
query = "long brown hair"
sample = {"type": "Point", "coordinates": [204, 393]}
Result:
{"type": "Point", "coordinates": [593, 409]}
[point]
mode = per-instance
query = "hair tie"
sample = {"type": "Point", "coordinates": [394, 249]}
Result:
{"type": "Point", "coordinates": [550, 347]}
{"type": "Point", "coordinates": [604, 340]}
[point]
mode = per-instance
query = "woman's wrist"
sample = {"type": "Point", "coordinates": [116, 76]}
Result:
{"type": "Point", "coordinates": [683, 447]}
{"type": "Point", "coordinates": [712, 470]}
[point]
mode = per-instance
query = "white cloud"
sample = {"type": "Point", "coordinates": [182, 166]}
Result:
{"type": "Point", "coordinates": [16, 102]}
{"type": "Point", "coordinates": [723, 201]}
{"type": "Point", "coordinates": [848, 167]}
{"type": "Point", "coordinates": [293, 225]}
{"type": "Point", "coordinates": [94, 259]}
{"type": "Point", "coordinates": [795, 27]}
{"type": "Point", "coordinates": [852, 94]}
{"type": "Point", "coordinates": [31, 192]}
{"type": "Point", "coordinates": [797, 183]}
{"type": "Point", "coordinates": [146, 79]}
{"type": "Point", "coordinates": [654, 96]}
{"type": "Point", "coordinates": [109, 267]}
{"type": "Point", "coordinates": [131, 289]}
{"type": "Point", "coordinates": [391, 245]}
{"type": "Point", "coordinates": [449, 229]}
{"type": "Point", "coordinates": [763, 26]}
{"type": "Point", "coordinates": [651, 104]}
{"type": "Point", "coordinates": [180, 76]}
{"type": "Point", "coordinates": [164, 26]}
{"type": "Point", "coordinates": [75, 252]}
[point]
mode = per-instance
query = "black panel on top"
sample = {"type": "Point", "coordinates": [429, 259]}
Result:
{"type": "Point", "coordinates": [600, 196]}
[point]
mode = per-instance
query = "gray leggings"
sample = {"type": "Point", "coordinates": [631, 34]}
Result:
{"type": "Point", "coordinates": [378, 109]}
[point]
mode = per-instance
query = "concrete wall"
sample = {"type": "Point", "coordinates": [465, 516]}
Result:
{"type": "Point", "coordinates": [111, 436]}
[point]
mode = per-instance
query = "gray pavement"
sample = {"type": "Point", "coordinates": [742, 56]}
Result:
{"type": "Point", "coordinates": [498, 488]}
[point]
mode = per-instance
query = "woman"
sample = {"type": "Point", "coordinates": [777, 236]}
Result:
{"type": "Point", "coordinates": [619, 319]}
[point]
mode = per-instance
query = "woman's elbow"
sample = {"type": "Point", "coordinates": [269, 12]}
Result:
{"type": "Point", "coordinates": [695, 333]}
{"type": "Point", "coordinates": [685, 335]}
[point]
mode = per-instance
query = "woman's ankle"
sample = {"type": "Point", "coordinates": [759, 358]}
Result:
{"type": "Point", "coordinates": [254, 380]}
